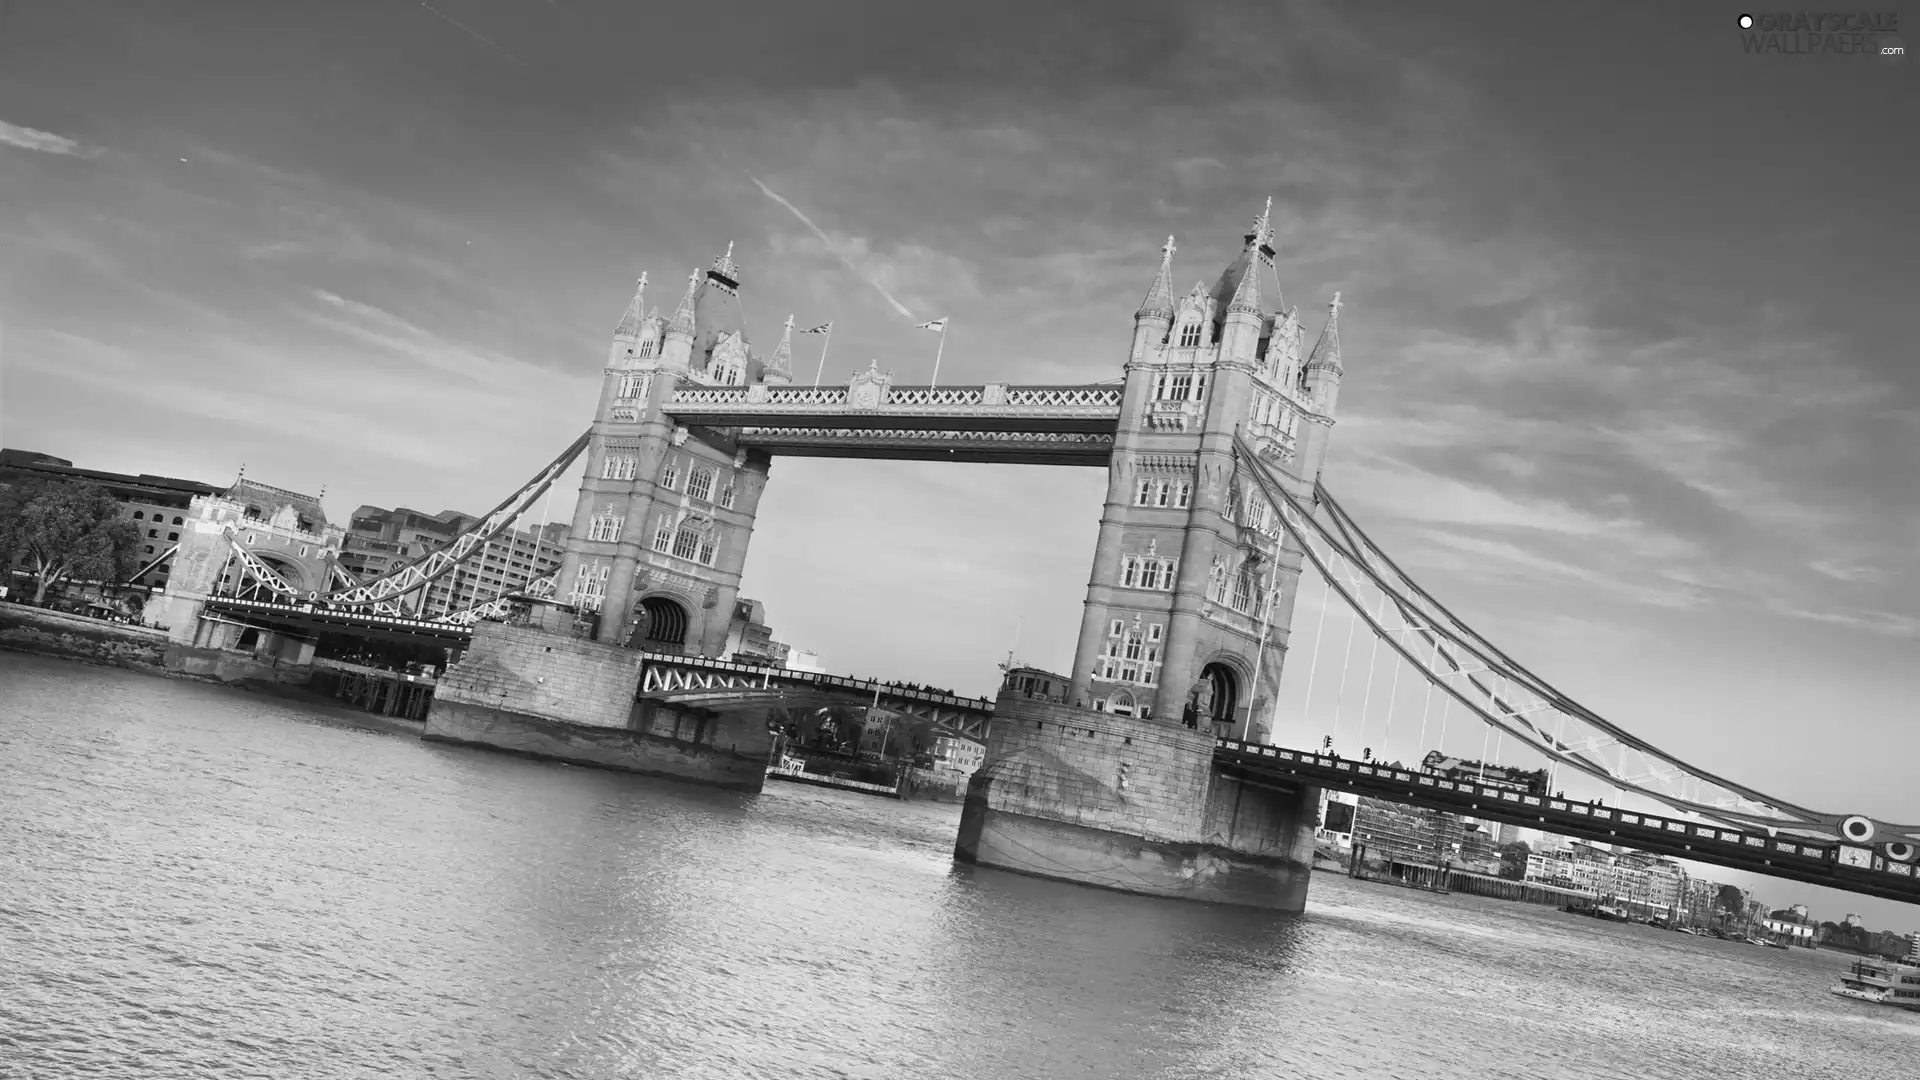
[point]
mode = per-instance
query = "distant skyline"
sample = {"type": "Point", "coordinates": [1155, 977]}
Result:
{"type": "Point", "coordinates": [1630, 371]}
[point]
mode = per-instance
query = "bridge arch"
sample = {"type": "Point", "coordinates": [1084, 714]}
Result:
{"type": "Point", "coordinates": [661, 623]}
{"type": "Point", "coordinates": [291, 571]}
{"type": "Point", "coordinates": [1220, 693]}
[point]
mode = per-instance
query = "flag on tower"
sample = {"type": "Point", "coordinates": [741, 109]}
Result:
{"type": "Point", "coordinates": [937, 326]}
{"type": "Point", "coordinates": [821, 329]}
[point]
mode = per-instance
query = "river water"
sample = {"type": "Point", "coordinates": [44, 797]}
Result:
{"type": "Point", "coordinates": [199, 882]}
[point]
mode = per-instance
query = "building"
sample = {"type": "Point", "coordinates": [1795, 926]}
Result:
{"type": "Point", "coordinates": [159, 505]}
{"type": "Point", "coordinates": [1032, 682]}
{"type": "Point", "coordinates": [1913, 948]}
{"type": "Point", "coordinates": [1790, 924]}
{"type": "Point", "coordinates": [802, 660]}
{"type": "Point", "coordinates": [955, 757]}
{"type": "Point", "coordinates": [750, 639]}
{"type": "Point", "coordinates": [379, 541]}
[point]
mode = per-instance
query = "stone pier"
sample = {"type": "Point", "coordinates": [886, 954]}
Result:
{"type": "Point", "coordinates": [1124, 803]}
{"type": "Point", "coordinates": [550, 694]}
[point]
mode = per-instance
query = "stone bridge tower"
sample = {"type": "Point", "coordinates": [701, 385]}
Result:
{"type": "Point", "coordinates": [659, 535]}
{"type": "Point", "coordinates": [1190, 573]}
{"type": "Point", "coordinates": [1117, 786]}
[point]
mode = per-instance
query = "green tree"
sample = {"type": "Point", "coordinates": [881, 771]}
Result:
{"type": "Point", "coordinates": [1513, 859]}
{"type": "Point", "coordinates": [62, 530]}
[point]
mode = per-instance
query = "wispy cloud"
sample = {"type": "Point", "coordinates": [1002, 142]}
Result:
{"type": "Point", "coordinates": [46, 142]}
{"type": "Point", "coordinates": [848, 250]}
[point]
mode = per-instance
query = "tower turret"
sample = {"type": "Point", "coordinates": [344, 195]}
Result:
{"type": "Point", "coordinates": [1151, 322]}
{"type": "Point", "coordinates": [1321, 379]}
{"type": "Point", "coordinates": [676, 342]}
{"type": "Point", "coordinates": [1240, 330]}
{"type": "Point", "coordinates": [628, 335]}
{"type": "Point", "coordinates": [780, 366]}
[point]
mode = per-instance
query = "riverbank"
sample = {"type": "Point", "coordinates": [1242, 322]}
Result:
{"type": "Point", "coordinates": [41, 632]}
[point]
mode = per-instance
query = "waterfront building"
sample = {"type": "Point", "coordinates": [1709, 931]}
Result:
{"type": "Point", "coordinates": [956, 757]}
{"type": "Point", "coordinates": [1337, 812]}
{"type": "Point", "coordinates": [750, 640]}
{"type": "Point", "coordinates": [1913, 947]}
{"type": "Point", "coordinates": [1790, 924]}
{"type": "Point", "coordinates": [162, 506]}
{"type": "Point", "coordinates": [803, 660]}
{"type": "Point", "coordinates": [380, 540]}
{"type": "Point", "coordinates": [1035, 683]}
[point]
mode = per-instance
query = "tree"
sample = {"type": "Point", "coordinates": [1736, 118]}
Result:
{"type": "Point", "coordinates": [64, 530]}
{"type": "Point", "coordinates": [1513, 859]}
{"type": "Point", "coordinates": [1730, 899]}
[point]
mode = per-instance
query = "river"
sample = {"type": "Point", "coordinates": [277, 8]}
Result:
{"type": "Point", "coordinates": [201, 882]}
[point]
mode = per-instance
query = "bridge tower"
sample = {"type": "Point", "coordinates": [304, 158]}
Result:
{"type": "Point", "coordinates": [1189, 574]}
{"type": "Point", "coordinates": [1186, 618]}
{"type": "Point", "coordinates": [660, 531]}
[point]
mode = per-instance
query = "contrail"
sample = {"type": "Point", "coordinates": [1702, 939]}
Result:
{"type": "Point", "coordinates": [832, 245]}
{"type": "Point", "coordinates": [472, 33]}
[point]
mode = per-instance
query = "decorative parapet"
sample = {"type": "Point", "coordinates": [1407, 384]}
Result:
{"type": "Point", "coordinates": [872, 392]}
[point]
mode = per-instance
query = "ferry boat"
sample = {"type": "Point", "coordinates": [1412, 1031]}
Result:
{"type": "Point", "coordinates": [1882, 982]}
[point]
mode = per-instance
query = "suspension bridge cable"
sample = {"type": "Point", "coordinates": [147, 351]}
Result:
{"type": "Point", "coordinates": [1326, 588]}
{"type": "Point", "coordinates": [1366, 700]}
{"type": "Point", "coordinates": [1345, 661]}
{"type": "Point", "coordinates": [1393, 695]}
{"type": "Point", "coordinates": [1426, 706]}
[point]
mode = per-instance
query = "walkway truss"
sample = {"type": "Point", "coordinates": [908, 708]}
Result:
{"type": "Point", "coordinates": [1521, 706]}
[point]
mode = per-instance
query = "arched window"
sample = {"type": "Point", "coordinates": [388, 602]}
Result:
{"type": "Point", "coordinates": [1190, 335]}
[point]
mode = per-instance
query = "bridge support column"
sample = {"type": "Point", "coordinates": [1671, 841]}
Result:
{"type": "Point", "coordinates": [1135, 805]}
{"type": "Point", "coordinates": [551, 695]}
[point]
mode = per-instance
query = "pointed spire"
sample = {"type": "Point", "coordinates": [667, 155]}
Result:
{"type": "Point", "coordinates": [1262, 234]}
{"type": "Point", "coordinates": [682, 321]}
{"type": "Point", "coordinates": [1246, 295]}
{"type": "Point", "coordinates": [724, 266]}
{"type": "Point", "coordinates": [781, 366]}
{"type": "Point", "coordinates": [1159, 301]}
{"type": "Point", "coordinates": [636, 311]}
{"type": "Point", "coordinates": [1326, 351]}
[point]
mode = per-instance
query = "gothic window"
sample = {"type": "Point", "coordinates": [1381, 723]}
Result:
{"type": "Point", "coordinates": [708, 547]}
{"type": "Point", "coordinates": [670, 475]}
{"type": "Point", "coordinates": [619, 467]}
{"type": "Point", "coordinates": [634, 385]}
{"type": "Point", "coordinates": [1144, 496]}
{"type": "Point", "coordinates": [686, 544]}
{"type": "Point", "coordinates": [1146, 572]}
{"type": "Point", "coordinates": [1199, 387]}
{"type": "Point", "coordinates": [726, 495]}
{"type": "Point", "coordinates": [1162, 493]}
{"type": "Point", "coordinates": [1183, 494]}
{"type": "Point", "coordinates": [663, 536]}
{"type": "Point", "coordinates": [646, 348]}
{"type": "Point", "coordinates": [590, 585]}
{"type": "Point", "coordinates": [1190, 335]}
{"type": "Point", "coordinates": [1246, 591]}
{"type": "Point", "coordinates": [1131, 656]}
{"type": "Point", "coordinates": [700, 483]}
{"type": "Point", "coordinates": [605, 526]}
{"type": "Point", "coordinates": [1217, 582]}
{"type": "Point", "coordinates": [1176, 386]}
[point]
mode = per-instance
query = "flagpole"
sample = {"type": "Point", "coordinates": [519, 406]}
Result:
{"type": "Point", "coordinates": [944, 323]}
{"type": "Point", "coordinates": [823, 355]}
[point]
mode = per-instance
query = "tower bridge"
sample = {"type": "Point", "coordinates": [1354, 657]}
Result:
{"type": "Point", "coordinates": [1157, 772]}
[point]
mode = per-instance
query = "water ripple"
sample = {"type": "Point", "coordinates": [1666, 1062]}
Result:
{"type": "Point", "coordinates": [200, 883]}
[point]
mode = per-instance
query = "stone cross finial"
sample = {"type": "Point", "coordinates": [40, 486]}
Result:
{"type": "Point", "coordinates": [1333, 309]}
{"type": "Point", "coordinates": [1263, 227]}
{"type": "Point", "coordinates": [642, 283]}
{"type": "Point", "coordinates": [1167, 250]}
{"type": "Point", "coordinates": [789, 322]}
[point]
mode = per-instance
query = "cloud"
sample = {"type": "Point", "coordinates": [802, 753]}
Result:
{"type": "Point", "coordinates": [46, 142]}
{"type": "Point", "coordinates": [851, 251]}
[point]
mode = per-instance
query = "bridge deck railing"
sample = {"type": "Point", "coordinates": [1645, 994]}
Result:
{"type": "Point", "coordinates": [1632, 825]}
{"type": "Point", "coordinates": [820, 679]}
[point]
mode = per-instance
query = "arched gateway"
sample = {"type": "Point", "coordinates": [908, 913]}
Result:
{"type": "Point", "coordinates": [1189, 572]}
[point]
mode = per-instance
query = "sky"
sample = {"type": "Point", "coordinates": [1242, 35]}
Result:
{"type": "Point", "coordinates": [1627, 313]}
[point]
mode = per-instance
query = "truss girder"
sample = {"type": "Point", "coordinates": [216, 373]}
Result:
{"type": "Point", "coordinates": [430, 567]}
{"type": "Point", "coordinates": [255, 571]}
{"type": "Point", "coordinates": [1504, 695]}
{"type": "Point", "coordinates": [498, 606]}
{"type": "Point", "coordinates": [663, 679]}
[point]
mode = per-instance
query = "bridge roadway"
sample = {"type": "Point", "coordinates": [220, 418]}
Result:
{"type": "Point", "coordinates": [1796, 858]}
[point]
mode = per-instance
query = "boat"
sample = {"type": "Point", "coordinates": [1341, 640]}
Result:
{"type": "Point", "coordinates": [1881, 982]}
